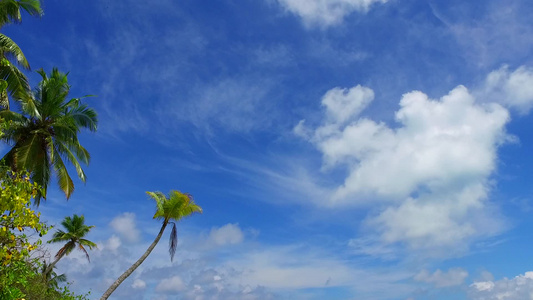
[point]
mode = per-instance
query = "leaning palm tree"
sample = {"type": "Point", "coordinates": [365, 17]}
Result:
{"type": "Point", "coordinates": [45, 135]}
{"type": "Point", "coordinates": [12, 80]}
{"type": "Point", "coordinates": [74, 235]}
{"type": "Point", "coordinates": [174, 207]}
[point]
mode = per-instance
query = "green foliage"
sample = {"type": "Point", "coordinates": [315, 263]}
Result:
{"type": "Point", "coordinates": [21, 276]}
{"type": "Point", "coordinates": [17, 218]}
{"type": "Point", "coordinates": [22, 280]}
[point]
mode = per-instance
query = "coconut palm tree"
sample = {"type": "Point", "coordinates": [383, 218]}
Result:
{"type": "Point", "coordinates": [46, 134]}
{"type": "Point", "coordinates": [10, 10]}
{"type": "Point", "coordinates": [52, 279]}
{"type": "Point", "coordinates": [174, 207]}
{"type": "Point", "coordinates": [74, 235]}
{"type": "Point", "coordinates": [12, 80]}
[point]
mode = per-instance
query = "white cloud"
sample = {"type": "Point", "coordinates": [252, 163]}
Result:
{"type": "Point", "coordinates": [112, 244]}
{"type": "Point", "coordinates": [228, 234]}
{"type": "Point", "coordinates": [439, 144]}
{"type": "Point", "coordinates": [343, 104]}
{"type": "Point", "coordinates": [454, 276]}
{"type": "Point", "coordinates": [517, 288]}
{"type": "Point", "coordinates": [513, 89]}
{"type": "Point", "coordinates": [326, 12]}
{"type": "Point", "coordinates": [431, 171]}
{"type": "Point", "coordinates": [441, 222]}
{"type": "Point", "coordinates": [126, 227]}
{"type": "Point", "coordinates": [301, 267]}
{"type": "Point", "coordinates": [138, 284]}
{"type": "Point", "coordinates": [247, 271]}
{"type": "Point", "coordinates": [170, 285]}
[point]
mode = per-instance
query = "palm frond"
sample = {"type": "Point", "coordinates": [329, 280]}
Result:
{"type": "Point", "coordinates": [159, 200]}
{"type": "Point", "coordinates": [10, 10]}
{"type": "Point", "coordinates": [39, 165]}
{"type": "Point", "coordinates": [85, 251]}
{"type": "Point", "coordinates": [26, 150]}
{"type": "Point", "coordinates": [11, 50]}
{"type": "Point", "coordinates": [65, 182]}
{"type": "Point", "coordinates": [173, 242]}
{"type": "Point", "coordinates": [61, 148]}
{"type": "Point", "coordinates": [85, 117]}
{"type": "Point", "coordinates": [32, 7]}
{"type": "Point", "coordinates": [88, 243]}
{"type": "Point", "coordinates": [65, 250]}
{"type": "Point", "coordinates": [58, 236]}
{"type": "Point", "coordinates": [17, 83]}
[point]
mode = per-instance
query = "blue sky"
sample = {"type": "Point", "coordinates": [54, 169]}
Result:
{"type": "Point", "coordinates": [340, 149]}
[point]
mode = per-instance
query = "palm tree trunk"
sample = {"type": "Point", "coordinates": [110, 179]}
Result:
{"type": "Point", "coordinates": [51, 266]}
{"type": "Point", "coordinates": [128, 272]}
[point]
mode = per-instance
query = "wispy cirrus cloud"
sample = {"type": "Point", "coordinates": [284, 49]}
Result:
{"type": "Point", "coordinates": [326, 12]}
{"type": "Point", "coordinates": [484, 32]}
{"type": "Point", "coordinates": [452, 277]}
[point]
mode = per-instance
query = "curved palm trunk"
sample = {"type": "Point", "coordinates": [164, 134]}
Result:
{"type": "Point", "coordinates": [128, 272]}
{"type": "Point", "coordinates": [51, 266]}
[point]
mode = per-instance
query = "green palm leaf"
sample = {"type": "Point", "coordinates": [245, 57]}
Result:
{"type": "Point", "coordinates": [11, 50]}
{"type": "Point", "coordinates": [17, 83]}
{"type": "Point", "coordinates": [10, 10]}
{"type": "Point", "coordinates": [65, 182]}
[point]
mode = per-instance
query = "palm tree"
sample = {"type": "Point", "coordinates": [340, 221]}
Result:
{"type": "Point", "coordinates": [74, 235]}
{"type": "Point", "coordinates": [12, 80]}
{"type": "Point", "coordinates": [10, 10]}
{"type": "Point", "coordinates": [52, 279]}
{"type": "Point", "coordinates": [174, 207]}
{"type": "Point", "coordinates": [46, 134]}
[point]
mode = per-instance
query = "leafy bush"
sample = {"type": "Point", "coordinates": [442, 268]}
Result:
{"type": "Point", "coordinates": [20, 275]}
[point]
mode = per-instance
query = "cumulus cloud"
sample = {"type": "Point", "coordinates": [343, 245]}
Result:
{"type": "Point", "coordinates": [112, 244]}
{"type": "Point", "coordinates": [125, 226]}
{"type": "Point", "coordinates": [171, 285]}
{"type": "Point", "coordinates": [193, 280]}
{"type": "Point", "coordinates": [512, 89]}
{"type": "Point", "coordinates": [228, 234]}
{"type": "Point", "coordinates": [138, 284]}
{"type": "Point", "coordinates": [326, 12]}
{"type": "Point", "coordinates": [343, 104]}
{"type": "Point", "coordinates": [452, 277]}
{"type": "Point", "coordinates": [517, 288]}
{"type": "Point", "coordinates": [431, 171]}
